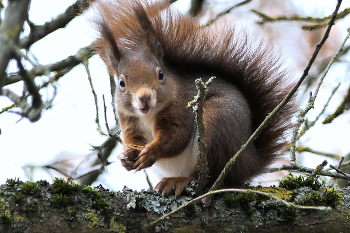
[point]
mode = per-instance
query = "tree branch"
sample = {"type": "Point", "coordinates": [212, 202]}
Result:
{"type": "Point", "coordinates": [319, 22]}
{"type": "Point", "coordinates": [10, 29]}
{"type": "Point", "coordinates": [70, 62]}
{"type": "Point", "coordinates": [40, 31]}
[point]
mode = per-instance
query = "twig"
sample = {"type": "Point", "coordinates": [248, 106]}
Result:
{"type": "Point", "coordinates": [228, 11]}
{"type": "Point", "coordinates": [340, 171]}
{"type": "Point", "coordinates": [113, 90]}
{"type": "Point", "coordinates": [344, 105]}
{"type": "Point", "coordinates": [56, 169]}
{"type": "Point", "coordinates": [103, 153]}
{"type": "Point", "coordinates": [340, 162]}
{"type": "Point", "coordinates": [27, 111]}
{"type": "Point", "coordinates": [308, 149]}
{"type": "Point", "coordinates": [97, 119]}
{"type": "Point", "coordinates": [345, 163]}
{"type": "Point", "coordinates": [198, 108]}
{"type": "Point", "coordinates": [298, 168]}
{"type": "Point", "coordinates": [308, 125]}
{"type": "Point", "coordinates": [7, 108]}
{"type": "Point", "coordinates": [30, 85]}
{"type": "Point", "coordinates": [105, 114]}
{"type": "Point", "coordinates": [319, 168]}
{"type": "Point", "coordinates": [147, 179]}
{"type": "Point", "coordinates": [312, 99]}
{"type": "Point", "coordinates": [211, 193]}
{"type": "Point", "coordinates": [319, 22]}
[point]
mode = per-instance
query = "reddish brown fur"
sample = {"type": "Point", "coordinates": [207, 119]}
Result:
{"type": "Point", "coordinates": [249, 84]}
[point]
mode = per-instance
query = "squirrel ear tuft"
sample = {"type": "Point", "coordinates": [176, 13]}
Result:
{"type": "Point", "coordinates": [155, 47]}
{"type": "Point", "coordinates": [151, 42]}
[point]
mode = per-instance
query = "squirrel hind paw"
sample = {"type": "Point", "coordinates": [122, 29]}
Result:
{"type": "Point", "coordinates": [166, 185]}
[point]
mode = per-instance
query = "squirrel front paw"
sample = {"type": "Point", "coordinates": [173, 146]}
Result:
{"type": "Point", "coordinates": [146, 158]}
{"type": "Point", "coordinates": [128, 157]}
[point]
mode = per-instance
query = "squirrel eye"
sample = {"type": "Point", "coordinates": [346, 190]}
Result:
{"type": "Point", "coordinates": [160, 74]}
{"type": "Point", "coordinates": [122, 83]}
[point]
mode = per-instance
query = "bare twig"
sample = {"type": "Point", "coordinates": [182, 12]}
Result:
{"type": "Point", "coordinates": [7, 108]}
{"type": "Point", "coordinates": [228, 11]}
{"type": "Point", "coordinates": [30, 85]}
{"type": "Point", "coordinates": [113, 89]}
{"type": "Point", "coordinates": [344, 105]}
{"type": "Point", "coordinates": [345, 163]}
{"type": "Point", "coordinates": [105, 114]}
{"type": "Point", "coordinates": [147, 179]}
{"type": "Point", "coordinates": [340, 171]}
{"type": "Point", "coordinates": [319, 22]}
{"type": "Point", "coordinates": [298, 168]}
{"type": "Point", "coordinates": [103, 153]}
{"type": "Point", "coordinates": [308, 149]}
{"type": "Point", "coordinates": [27, 111]}
{"type": "Point", "coordinates": [340, 162]}
{"type": "Point", "coordinates": [307, 124]}
{"type": "Point", "coordinates": [56, 169]}
{"type": "Point", "coordinates": [198, 108]}
{"type": "Point", "coordinates": [313, 97]}
{"type": "Point", "coordinates": [97, 119]}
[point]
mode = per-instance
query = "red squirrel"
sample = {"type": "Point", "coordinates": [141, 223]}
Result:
{"type": "Point", "coordinates": [156, 54]}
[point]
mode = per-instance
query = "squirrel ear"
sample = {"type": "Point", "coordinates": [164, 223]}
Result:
{"type": "Point", "coordinates": [107, 47]}
{"type": "Point", "coordinates": [151, 43]}
{"type": "Point", "coordinates": [155, 47]}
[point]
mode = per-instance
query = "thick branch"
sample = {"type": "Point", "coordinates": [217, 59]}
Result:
{"type": "Point", "coordinates": [15, 15]}
{"type": "Point", "coordinates": [70, 62]}
{"type": "Point", "coordinates": [40, 31]}
{"type": "Point", "coordinates": [67, 207]}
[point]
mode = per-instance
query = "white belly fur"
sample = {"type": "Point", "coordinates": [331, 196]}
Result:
{"type": "Point", "coordinates": [181, 165]}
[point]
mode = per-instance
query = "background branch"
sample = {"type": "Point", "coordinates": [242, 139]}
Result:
{"type": "Point", "coordinates": [60, 66]}
{"type": "Point", "coordinates": [15, 14]}
{"type": "Point", "coordinates": [38, 32]}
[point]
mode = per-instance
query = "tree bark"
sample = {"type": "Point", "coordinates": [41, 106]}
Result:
{"type": "Point", "coordinates": [67, 207]}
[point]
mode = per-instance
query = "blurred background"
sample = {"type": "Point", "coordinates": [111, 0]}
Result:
{"type": "Point", "coordinates": [67, 138]}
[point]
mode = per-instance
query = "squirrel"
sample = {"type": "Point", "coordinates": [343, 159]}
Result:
{"type": "Point", "coordinates": [156, 54]}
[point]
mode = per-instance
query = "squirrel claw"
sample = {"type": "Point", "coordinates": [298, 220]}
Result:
{"type": "Point", "coordinates": [144, 151]}
{"type": "Point", "coordinates": [145, 159]}
{"type": "Point", "coordinates": [122, 157]}
{"type": "Point", "coordinates": [166, 185]}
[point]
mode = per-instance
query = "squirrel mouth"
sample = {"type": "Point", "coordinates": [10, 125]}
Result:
{"type": "Point", "coordinates": [145, 109]}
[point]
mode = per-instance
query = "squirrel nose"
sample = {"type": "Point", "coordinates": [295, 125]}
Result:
{"type": "Point", "coordinates": [144, 94]}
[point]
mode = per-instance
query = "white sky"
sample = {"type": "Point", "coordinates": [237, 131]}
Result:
{"type": "Point", "coordinates": [69, 126]}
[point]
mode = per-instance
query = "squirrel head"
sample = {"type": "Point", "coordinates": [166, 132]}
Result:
{"type": "Point", "coordinates": [142, 84]}
{"type": "Point", "coordinates": [133, 54]}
